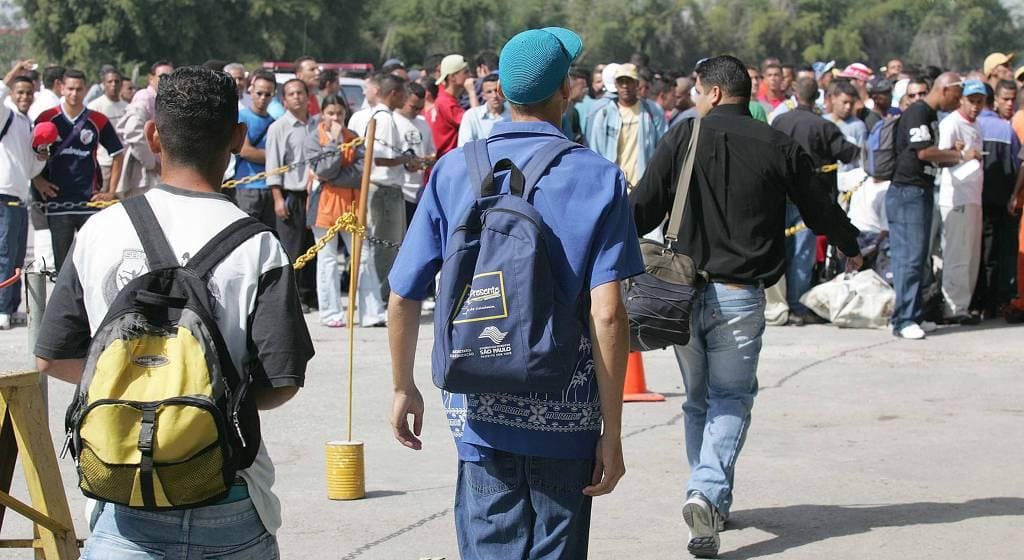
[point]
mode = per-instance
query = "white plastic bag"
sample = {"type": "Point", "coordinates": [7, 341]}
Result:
{"type": "Point", "coordinates": [861, 300]}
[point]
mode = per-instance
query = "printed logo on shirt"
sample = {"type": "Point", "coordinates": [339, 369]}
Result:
{"type": "Point", "coordinates": [131, 266]}
{"type": "Point", "coordinates": [484, 299]}
{"type": "Point", "coordinates": [86, 136]}
{"type": "Point", "coordinates": [920, 134]}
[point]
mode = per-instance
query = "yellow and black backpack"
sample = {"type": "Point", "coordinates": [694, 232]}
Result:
{"type": "Point", "coordinates": [161, 419]}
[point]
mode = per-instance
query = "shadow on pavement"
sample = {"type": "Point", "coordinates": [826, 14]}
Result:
{"type": "Point", "coordinates": [796, 526]}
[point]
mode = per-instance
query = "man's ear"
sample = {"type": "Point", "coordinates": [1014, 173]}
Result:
{"type": "Point", "coordinates": [238, 137]}
{"type": "Point", "coordinates": [566, 89]}
{"type": "Point", "coordinates": [152, 137]}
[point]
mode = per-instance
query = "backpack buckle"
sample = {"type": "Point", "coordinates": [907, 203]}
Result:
{"type": "Point", "coordinates": [146, 432]}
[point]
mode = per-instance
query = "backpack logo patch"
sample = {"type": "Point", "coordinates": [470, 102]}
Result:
{"type": "Point", "coordinates": [153, 361]}
{"type": "Point", "coordinates": [493, 334]}
{"type": "Point", "coordinates": [484, 299]}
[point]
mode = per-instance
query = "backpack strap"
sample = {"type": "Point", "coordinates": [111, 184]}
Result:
{"type": "Point", "coordinates": [159, 254]}
{"type": "Point", "coordinates": [542, 160]}
{"type": "Point", "coordinates": [478, 162]}
{"type": "Point", "coordinates": [516, 180]}
{"type": "Point", "coordinates": [223, 244]}
{"type": "Point", "coordinates": [7, 125]}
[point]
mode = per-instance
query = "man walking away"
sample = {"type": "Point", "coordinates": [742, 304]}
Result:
{"type": "Point", "coordinates": [741, 246]}
{"type": "Point", "coordinates": [195, 131]}
{"type": "Point", "coordinates": [909, 202]}
{"type": "Point", "coordinates": [527, 474]}
{"type": "Point", "coordinates": [825, 143]}
{"type": "Point", "coordinates": [256, 198]}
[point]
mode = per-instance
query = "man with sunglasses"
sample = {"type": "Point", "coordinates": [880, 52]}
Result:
{"type": "Point", "coordinates": [255, 198]}
{"type": "Point", "coordinates": [916, 90]}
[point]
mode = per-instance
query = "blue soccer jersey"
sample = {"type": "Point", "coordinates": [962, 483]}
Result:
{"type": "Point", "coordinates": [73, 167]}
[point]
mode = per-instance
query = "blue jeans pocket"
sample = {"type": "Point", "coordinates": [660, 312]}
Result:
{"type": "Point", "coordinates": [105, 546]}
{"type": "Point", "coordinates": [560, 476]}
{"type": "Point", "coordinates": [262, 548]}
{"type": "Point", "coordinates": [495, 475]}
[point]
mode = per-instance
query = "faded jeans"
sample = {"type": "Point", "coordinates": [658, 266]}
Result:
{"type": "Point", "coordinates": [908, 209]}
{"type": "Point", "coordinates": [719, 368]}
{"type": "Point", "coordinates": [385, 219]}
{"type": "Point", "coordinates": [225, 532]}
{"type": "Point", "coordinates": [328, 279]}
{"type": "Point", "coordinates": [801, 250]}
{"type": "Point", "coordinates": [516, 507]}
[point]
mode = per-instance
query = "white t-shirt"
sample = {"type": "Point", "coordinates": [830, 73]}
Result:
{"type": "Point", "coordinates": [255, 299]}
{"type": "Point", "coordinates": [416, 136]}
{"type": "Point", "coordinates": [113, 110]}
{"type": "Point", "coordinates": [387, 142]}
{"type": "Point", "coordinates": [960, 184]}
{"type": "Point", "coordinates": [867, 204]}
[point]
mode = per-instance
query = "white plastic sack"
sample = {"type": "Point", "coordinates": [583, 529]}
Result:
{"type": "Point", "coordinates": [861, 300]}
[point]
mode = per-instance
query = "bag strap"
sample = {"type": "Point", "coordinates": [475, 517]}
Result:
{"type": "Point", "coordinates": [683, 186]}
{"type": "Point", "coordinates": [478, 162]}
{"type": "Point", "coordinates": [223, 244]}
{"type": "Point", "coordinates": [159, 254]}
{"type": "Point", "coordinates": [7, 125]}
{"type": "Point", "coordinates": [516, 180]}
{"type": "Point", "coordinates": [542, 160]}
{"type": "Point", "coordinates": [79, 125]}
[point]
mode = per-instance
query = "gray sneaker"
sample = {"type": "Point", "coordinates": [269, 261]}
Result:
{"type": "Point", "coordinates": [704, 522]}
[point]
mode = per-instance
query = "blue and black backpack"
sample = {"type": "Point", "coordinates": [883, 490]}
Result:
{"type": "Point", "coordinates": [878, 158]}
{"type": "Point", "coordinates": [503, 323]}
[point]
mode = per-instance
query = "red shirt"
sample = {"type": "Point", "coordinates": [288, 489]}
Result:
{"type": "Point", "coordinates": [313, 106]}
{"type": "Point", "coordinates": [448, 116]}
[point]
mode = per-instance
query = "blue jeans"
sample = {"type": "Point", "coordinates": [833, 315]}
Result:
{"type": "Point", "coordinates": [720, 374]}
{"type": "Point", "coordinates": [223, 532]}
{"type": "Point", "coordinates": [13, 242]}
{"type": "Point", "coordinates": [909, 211]}
{"type": "Point", "coordinates": [516, 507]}
{"type": "Point", "coordinates": [801, 249]}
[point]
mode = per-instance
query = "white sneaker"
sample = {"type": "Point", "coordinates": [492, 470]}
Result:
{"type": "Point", "coordinates": [5, 321]}
{"type": "Point", "coordinates": [700, 517]}
{"type": "Point", "coordinates": [928, 326]}
{"type": "Point", "coordinates": [911, 332]}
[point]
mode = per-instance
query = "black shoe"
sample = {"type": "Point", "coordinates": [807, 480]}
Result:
{"type": "Point", "coordinates": [795, 320]}
{"type": "Point", "coordinates": [812, 318]}
{"type": "Point", "coordinates": [1013, 315]}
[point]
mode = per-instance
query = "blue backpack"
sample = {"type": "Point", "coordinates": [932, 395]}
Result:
{"type": "Point", "coordinates": [502, 323]}
{"type": "Point", "coordinates": [878, 158]}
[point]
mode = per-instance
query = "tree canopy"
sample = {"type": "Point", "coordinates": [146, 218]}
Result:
{"type": "Point", "coordinates": [673, 33]}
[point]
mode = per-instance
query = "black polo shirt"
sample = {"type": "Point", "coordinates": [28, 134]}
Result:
{"type": "Point", "coordinates": [735, 218]}
{"type": "Point", "coordinates": [821, 139]}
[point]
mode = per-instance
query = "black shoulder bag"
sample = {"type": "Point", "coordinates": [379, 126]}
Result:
{"type": "Point", "coordinates": [659, 301]}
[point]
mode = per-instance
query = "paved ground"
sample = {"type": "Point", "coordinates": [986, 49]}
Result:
{"type": "Point", "coordinates": [862, 446]}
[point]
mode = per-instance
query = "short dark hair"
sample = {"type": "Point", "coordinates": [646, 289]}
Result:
{"type": "Point", "coordinates": [578, 74]}
{"type": "Point", "coordinates": [262, 74]}
{"type": "Point", "coordinates": [390, 83]}
{"type": "Point", "coordinates": [74, 75]}
{"type": "Point", "coordinates": [298, 62]}
{"type": "Point", "coordinates": [490, 78]}
{"type": "Point", "coordinates": [1003, 85]}
{"type": "Point", "coordinates": [432, 61]}
{"type": "Point", "coordinates": [431, 87]}
{"type": "Point", "coordinates": [769, 65]}
{"type": "Point", "coordinates": [335, 99]}
{"type": "Point", "coordinates": [806, 89]}
{"type": "Point", "coordinates": [842, 87]}
{"type": "Point", "coordinates": [921, 81]}
{"type": "Point", "coordinates": [803, 68]}
{"type": "Point", "coordinates": [158, 64]}
{"type": "Point", "coordinates": [728, 73]}
{"type": "Point", "coordinates": [108, 71]}
{"type": "Point", "coordinates": [32, 75]}
{"type": "Point", "coordinates": [990, 95]}
{"type": "Point", "coordinates": [389, 68]}
{"type": "Point", "coordinates": [196, 112]}
{"type": "Point", "coordinates": [488, 59]}
{"type": "Point", "coordinates": [416, 89]}
{"type": "Point", "coordinates": [327, 76]}
{"type": "Point", "coordinates": [661, 84]}
{"type": "Point", "coordinates": [215, 64]}
{"type": "Point", "coordinates": [52, 74]}
{"type": "Point", "coordinates": [19, 79]}
{"type": "Point", "coordinates": [284, 86]}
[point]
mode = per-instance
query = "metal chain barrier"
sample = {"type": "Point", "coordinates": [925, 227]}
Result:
{"type": "Point", "coordinates": [843, 199]}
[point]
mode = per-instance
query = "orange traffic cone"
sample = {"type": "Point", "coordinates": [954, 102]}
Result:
{"type": "Point", "coordinates": [636, 384]}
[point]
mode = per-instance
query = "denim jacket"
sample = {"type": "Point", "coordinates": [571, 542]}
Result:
{"type": "Point", "coordinates": [603, 130]}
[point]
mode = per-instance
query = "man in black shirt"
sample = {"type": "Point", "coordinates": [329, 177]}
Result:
{"type": "Point", "coordinates": [825, 143]}
{"type": "Point", "coordinates": [733, 227]}
{"type": "Point", "coordinates": [909, 201]}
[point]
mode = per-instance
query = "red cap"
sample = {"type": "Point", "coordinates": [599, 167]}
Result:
{"type": "Point", "coordinates": [45, 133]}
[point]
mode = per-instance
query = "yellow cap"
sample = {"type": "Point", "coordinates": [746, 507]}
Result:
{"type": "Point", "coordinates": [995, 59]}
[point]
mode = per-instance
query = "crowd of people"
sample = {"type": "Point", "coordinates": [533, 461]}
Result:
{"type": "Point", "coordinates": [928, 161]}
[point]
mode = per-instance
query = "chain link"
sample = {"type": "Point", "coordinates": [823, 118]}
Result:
{"type": "Point", "coordinates": [346, 222]}
{"type": "Point", "coordinates": [843, 199]}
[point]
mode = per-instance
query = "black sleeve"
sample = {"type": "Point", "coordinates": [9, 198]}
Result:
{"type": "Point", "coordinates": [651, 199]}
{"type": "Point", "coordinates": [64, 333]}
{"type": "Point", "coordinates": [278, 335]}
{"type": "Point", "coordinates": [822, 214]}
{"type": "Point", "coordinates": [840, 148]}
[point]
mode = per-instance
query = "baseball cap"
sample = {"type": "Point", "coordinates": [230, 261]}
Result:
{"type": "Point", "coordinates": [535, 63]}
{"type": "Point", "coordinates": [857, 71]}
{"type": "Point", "coordinates": [995, 59]}
{"type": "Point", "coordinates": [394, 63]}
{"type": "Point", "coordinates": [974, 87]}
{"type": "Point", "coordinates": [608, 76]}
{"type": "Point", "coordinates": [820, 68]}
{"type": "Point", "coordinates": [879, 85]}
{"type": "Point", "coordinates": [627, 70]}
{"type": "Point", "coordinates": [1018, 72]}
{"type": "Point", "coordinates": [451, 64]}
